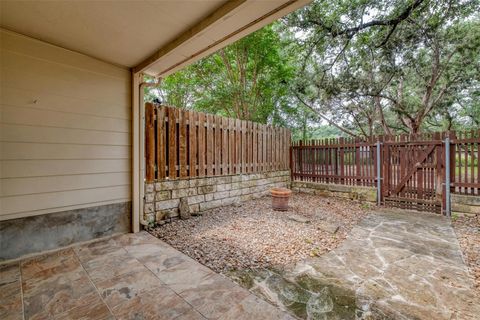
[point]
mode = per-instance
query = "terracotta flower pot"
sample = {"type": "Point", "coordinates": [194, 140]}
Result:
{"type": "Point", "coordinates": [280, 198]}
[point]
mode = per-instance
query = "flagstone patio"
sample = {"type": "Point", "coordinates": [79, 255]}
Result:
{"type": "Point", "coordinates": [134, 276]}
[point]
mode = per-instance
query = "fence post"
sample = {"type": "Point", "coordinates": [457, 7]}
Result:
{"type": "Point", "coordinates": [150, 142]}
{"type": "Point", "coordinates": [447, 176]}
{"type": "Point", "coordinates": [291, 159]}
{"type": "Point", "coordinates": [379, 175]}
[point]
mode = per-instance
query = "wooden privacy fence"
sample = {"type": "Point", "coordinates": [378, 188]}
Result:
{"type": "Point", "coordinates": [341, 160]}
{"type": "Point", "coordinates": [182, 143]}
{"type": "Point", "coordinates": [413, 170]}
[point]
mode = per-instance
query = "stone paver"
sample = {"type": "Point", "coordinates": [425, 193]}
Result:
{"type": "Point", "coordinates": [134, 276]}
{"type": "Point", "coordinates": [394, 265]}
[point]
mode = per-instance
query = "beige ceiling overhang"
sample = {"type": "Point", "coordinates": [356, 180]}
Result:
{"type": "Point", "coordinates": [154, 37]}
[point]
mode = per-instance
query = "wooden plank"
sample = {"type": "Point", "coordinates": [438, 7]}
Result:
{"type": "Point", "coordinates": [260, 148]}
{"type": "Point", "coordinates": [218, 145]}
{"type": "Point", "coordinates": [255, 147]}
{"type": "Point", "coordinates": [264, 151]}
{"type": "Point", "coordinates": [244, 146]}
{"type": "Point", "coordinates": [210, 144]}
{"type": "Point", "coordinates": [238, 146]}
{"type": "Point", "coordinates": [247, 146]}
{"type": "Point", "coordinates": [161, 143]}
{"type": "Point", "coordinates": [412, 170]}
{"type": "Point", "coordinates": [225, 140]}
{"type": "Point", "coordinates": [193, 140]}
{"type": "Point", "coordinates": [201, 145]}
{"type": "Point", "coordinates": [150, 142]}
{"type": "Point", "coordinates": [182, 141]}
{"type": "Point", "coordinates": [231, 146]}
{"type": "Point", "coordinates": [172, 143]}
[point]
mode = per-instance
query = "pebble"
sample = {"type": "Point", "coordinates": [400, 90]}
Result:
{"type": "Point", "coordinates": [255, 236]}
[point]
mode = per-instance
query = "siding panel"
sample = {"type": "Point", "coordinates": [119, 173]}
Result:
{"type": "Point", "coordinates": [65, 136]}
{"type": "Point", "coordinates": [46, 118]}
{"type": "Point", "coordinates": [54, 151]}
{"type": "Point", "coordinates": [33, 202]}
{"type": "Point", "coordinates": [32, 185]}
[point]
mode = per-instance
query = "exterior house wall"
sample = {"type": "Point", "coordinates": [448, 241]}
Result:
{"type": "Point", "coordinates": [65, 137]}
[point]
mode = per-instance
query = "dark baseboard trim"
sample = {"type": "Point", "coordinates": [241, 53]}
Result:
{"type": "Point", "coordinates": [19, 237]}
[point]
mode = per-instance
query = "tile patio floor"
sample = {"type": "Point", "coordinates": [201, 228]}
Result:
{"type": "Point", "coordinates": [133, 276]}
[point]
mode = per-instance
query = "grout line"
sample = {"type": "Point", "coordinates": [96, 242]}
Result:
{"type": "Point", "coordinates": [166, 285]}
{"type": "Point", "coordinates": [93, 284]}
{"type": "Point", "coordinates": [21, 289]}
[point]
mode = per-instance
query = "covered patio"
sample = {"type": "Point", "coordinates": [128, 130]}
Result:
{"type": "Point", "coordinates": [72, 81]}
{"type": "Point", "coordinates": [72, 158]}
{"type": "Point", "coordinates": [132, 276]}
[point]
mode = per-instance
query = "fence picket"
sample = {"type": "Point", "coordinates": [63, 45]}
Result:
{"type": "Point", "coordinates": [201, 145]}
{"type": "Point", "coordinates": [182, 141]}
{"type": "Point", "coordinates": [161, 143]}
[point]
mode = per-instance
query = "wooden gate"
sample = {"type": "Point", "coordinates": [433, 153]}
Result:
{"type": "Point", "coordinates": [413, 173]}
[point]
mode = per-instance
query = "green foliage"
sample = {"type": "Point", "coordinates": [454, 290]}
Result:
{"type": "Point", "coordinates": [379, 67]}
{"type": "Point", "coordinates": [346, 67]}
{"type": "Point", "coordinates": [247, 80]}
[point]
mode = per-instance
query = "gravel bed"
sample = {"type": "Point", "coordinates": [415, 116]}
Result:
{"type": "Point", "coordinates": [252, 235]}
{"type": "Point", "coordinates": [467, 229]}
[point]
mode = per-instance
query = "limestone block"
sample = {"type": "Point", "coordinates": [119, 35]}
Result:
{"type": "Point", "coordinates": [160, 215]}
{"type": "Point", "coordinates": [184, 208]}
{"type": "Point", "coordinates": [206, 189]}
{"type": "Point", "coordinates": [246, 197]}
{"type": "Point", "coordinates": [236, 185]}
{"type": "Point", "coordinates": [196, 199]}
{"type": "Point", "coordinates": [167, 204]}
{"type": "Point", "coordinates": [194, 209]}
{"type": "Point", "coordinates": [197, 182]}
{"type": "Point", "coordinates": [224, 180]}
{"type": "Point", "coordinates": [224, 187]}
{"type": "Point", "coordinates": [228, 201]}
{"type": "Point", "coordinates": [245, 191]}
{"type": "Point", "coordinates": [162, 195]}
{"type": "Point", "coordinates": [173, 213]}
{"type": "Point", "coordinates": [180, 193]}
{"type": "Point", "coordinates": [210, 205]}
{"type": "Point", "coordinates": [149, 187]}
{"type": "Point", "coordinates": [466, 200]}
{"type": "Point", "coordinates": [149, 197]}
{"type": "Point", "coordinates": [236, 192]}
{"type": "Point", "coordinates": [221, 195]}
{"type": "Point", "coordinates": [148, 208]}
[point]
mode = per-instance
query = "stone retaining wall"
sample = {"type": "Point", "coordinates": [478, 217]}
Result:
{"type": "Point", "coordinates": [163, 198]}
{"type": "Point", "coordinates": [336, 190]}
{"type": "Point", "coordinates": [465, 204]}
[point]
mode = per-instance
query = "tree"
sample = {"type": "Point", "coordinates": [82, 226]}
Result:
{"type": "Point", "coordinates": [386, 66]}
{"type": "Point", "coordinates": [246, 80]}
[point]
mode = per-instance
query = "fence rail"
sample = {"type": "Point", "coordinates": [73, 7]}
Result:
{"type": "Point", "coordinates": [182, 143]}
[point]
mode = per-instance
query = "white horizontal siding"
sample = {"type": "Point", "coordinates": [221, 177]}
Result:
{"type": "Point", "coordinates": [58, 151]}
{"type": "Point", "coordinates": [39, 134]}
{"type": "Point", "coordinates": [65, 136]}
{"type": "Point", "coordinates": [33, 185]}
{"type": "Point", "coordinates": [54, 101]}
{"type": "Point", "coordinates": [58, 119]}
{"type": "Point", "coordinates": [34, 202]}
